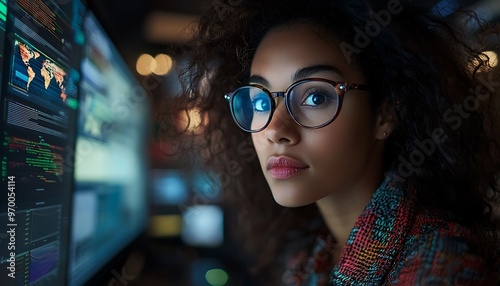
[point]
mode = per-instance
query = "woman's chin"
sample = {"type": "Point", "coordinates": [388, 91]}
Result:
{"type": "Point", "coordinates": [291, 200]}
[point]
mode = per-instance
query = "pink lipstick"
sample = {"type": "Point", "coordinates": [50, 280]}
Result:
{"type": "Point", "coordinates": [284, 167]}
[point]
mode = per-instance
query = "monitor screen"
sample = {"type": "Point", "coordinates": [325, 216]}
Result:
{"type": "Point", "coordinates": [40, 49]}
{"type": "Point", "coordinates": [203, 226]}
{"type": "Point", "coordinates": [110, 200]}
{"type": "Point", "coordinates": [169, 187]}
{"type": "Point", "coordinates": [186, 204]}
{"type": "Point", "coordinates": [182, 188]}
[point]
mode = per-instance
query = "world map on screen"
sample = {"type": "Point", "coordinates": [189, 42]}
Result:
{"type": "Point", "coordinates": [49, 70]}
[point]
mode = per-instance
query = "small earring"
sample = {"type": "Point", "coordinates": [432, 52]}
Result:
{"type": "Point", "coordinates": [385, 134]}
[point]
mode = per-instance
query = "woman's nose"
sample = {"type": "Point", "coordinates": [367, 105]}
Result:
{"type": "Point", "coordinates": [282, 129]}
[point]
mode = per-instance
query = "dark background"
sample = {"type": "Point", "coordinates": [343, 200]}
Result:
{"type": "Point", "coordinates": [130, 22]}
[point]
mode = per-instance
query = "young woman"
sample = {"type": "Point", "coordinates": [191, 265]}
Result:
{"type": "Point", "coordinates": [355, 139]}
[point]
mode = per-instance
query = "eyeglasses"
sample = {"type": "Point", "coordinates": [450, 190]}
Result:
{"type": "Point", "coordinates": [312, 103]}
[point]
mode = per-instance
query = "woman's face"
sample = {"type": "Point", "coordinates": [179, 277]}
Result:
{"type": "Point", "coordinates": [303, 165]}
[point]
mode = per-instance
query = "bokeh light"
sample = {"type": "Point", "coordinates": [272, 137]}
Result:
{"type": "Point", "coordinates": [163, 64]}
{"type": "Point", "coordinates": [493, 58]}
{"type": "Point", "coordinates": [192, 121]}
{"type": "Point", "coordinates": [216, 277]}
{"type": "Point", "coordinates": [145, 64]}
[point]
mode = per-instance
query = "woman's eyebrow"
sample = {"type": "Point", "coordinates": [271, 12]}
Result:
{"type": "Point", "coordinates": [258, 80]}
{"type": "Point", "coordinates": [311, 70]}
{"type": "Point", "coordinates": [299, 74]}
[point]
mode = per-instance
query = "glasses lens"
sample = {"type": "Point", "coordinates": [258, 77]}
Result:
{"type": "Point", "coordinates": [251, 108]}
{"type": "Point", "coordinates": [313, 103]}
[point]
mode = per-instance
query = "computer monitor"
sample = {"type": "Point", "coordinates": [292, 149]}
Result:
{"type": "Point", "coordinates": [39, 101]}
{"type": "Point", "coordinates": [110, 200]}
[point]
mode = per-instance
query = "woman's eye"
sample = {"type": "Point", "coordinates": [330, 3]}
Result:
{"type": "Point", "coordinates": [261, 105]}
{"type": "Point", "coordinates": [314, 99]}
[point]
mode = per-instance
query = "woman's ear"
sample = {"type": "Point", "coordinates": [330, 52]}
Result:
{"type": "Point", "coordinates": [385, 121]}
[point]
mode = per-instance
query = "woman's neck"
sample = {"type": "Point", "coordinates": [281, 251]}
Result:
{"type": "Point", "coordinates": [341, 209]}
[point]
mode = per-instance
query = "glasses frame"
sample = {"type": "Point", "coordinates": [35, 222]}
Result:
{"type": "Point", "coordinates": [340, 87]}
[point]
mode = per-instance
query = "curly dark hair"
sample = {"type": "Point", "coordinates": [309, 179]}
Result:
{"type": "Point", "coordinates": [433, 77]}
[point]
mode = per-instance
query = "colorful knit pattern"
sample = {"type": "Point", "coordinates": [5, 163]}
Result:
{"type": "Point", "coordinates": [394, 243]}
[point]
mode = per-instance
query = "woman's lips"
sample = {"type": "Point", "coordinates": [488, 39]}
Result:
{"type": "Point", "coordinates": [284, 167]}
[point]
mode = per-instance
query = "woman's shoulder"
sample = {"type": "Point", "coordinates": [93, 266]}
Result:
{"type": "Point", "coordinates": [440, 250]}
